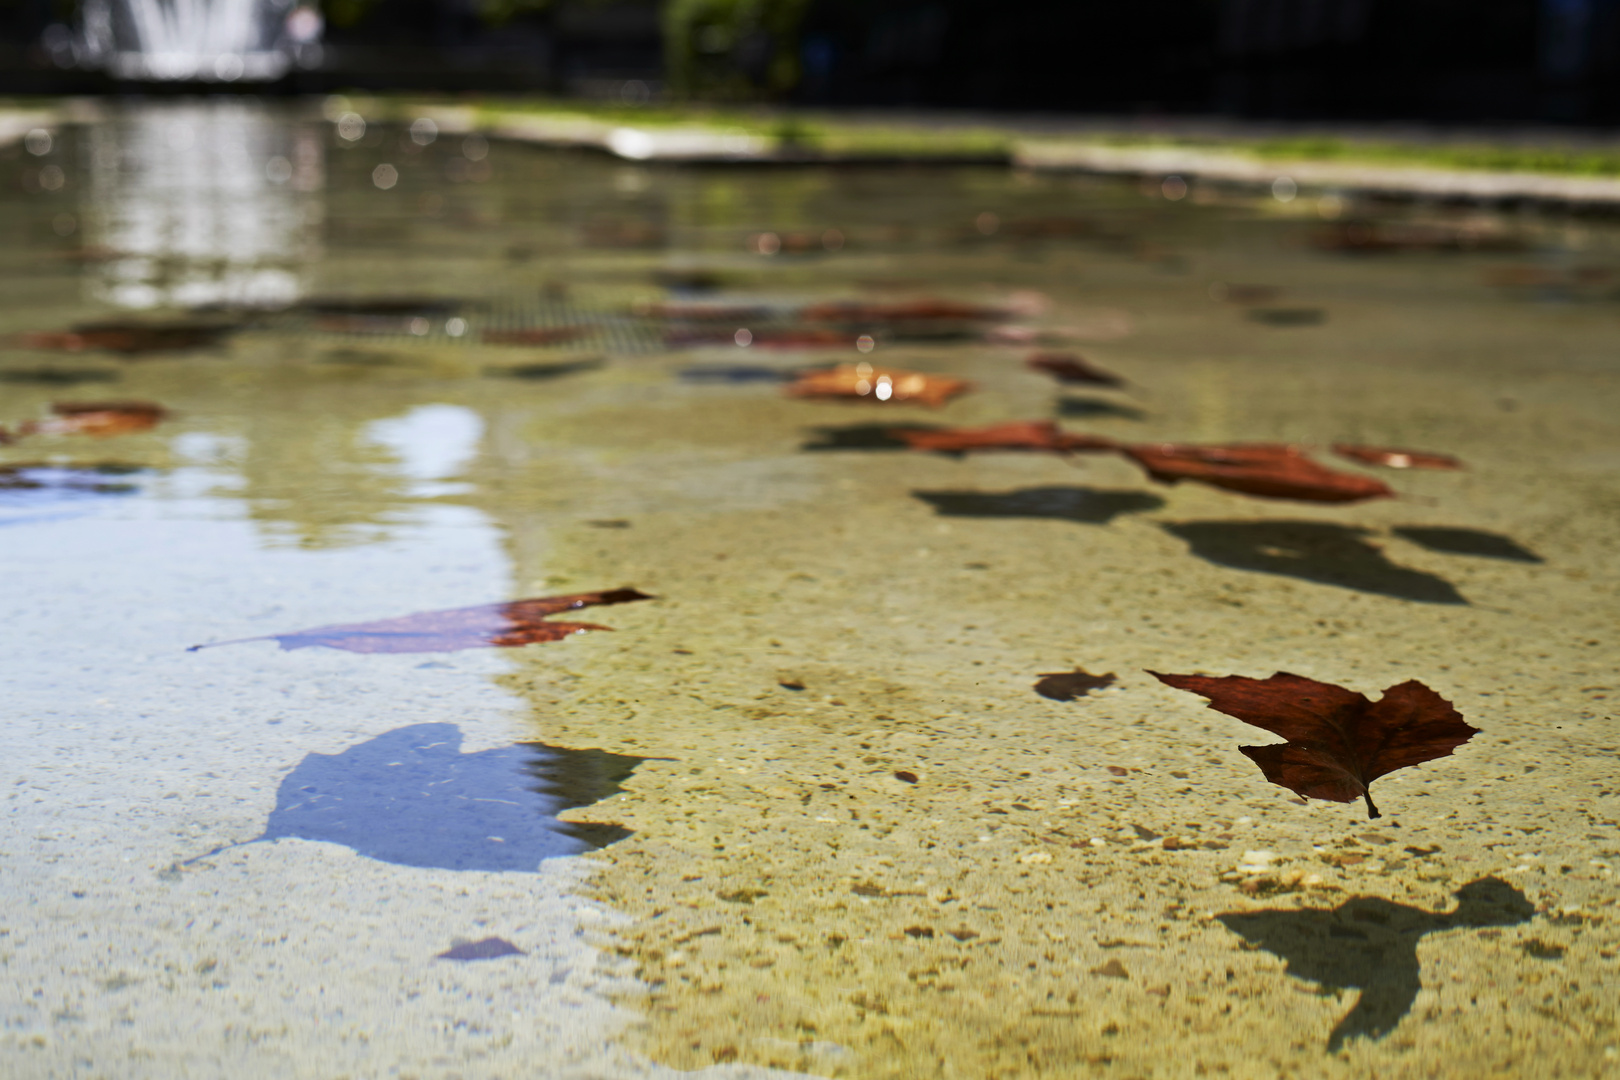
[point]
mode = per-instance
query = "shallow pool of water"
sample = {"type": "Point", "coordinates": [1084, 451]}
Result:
{"type": "Point", "coordinates": [807, 810]}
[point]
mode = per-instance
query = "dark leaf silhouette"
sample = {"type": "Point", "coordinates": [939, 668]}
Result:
{"type": "Point", "coordinates": [1070, 368]}
{"type": "Point", "coordinates": [1339, 742]}
{"type": "Point", "coordinates": [1467, 542]}
{"type": "Point", "coordinates": [411, 797]}
{"type": "Point", "coordinates": [735, 373]}
{"type": "Point", "coordinates": [518, 622]}
{"type": "Point", "coordinates": [40, 477]}
{"type": "Point", "coordinates": [853, 312]}
{"type": "Point", "coordinates": [535, 335]}
{"type": "Point", "coordinates": [1396, 459]}
{"type": "Point", "coordinates": [55, 376]}
{"type": "Point", "coordinates": [539, 372]}
{"type": "Point", "coordinates": [1288, 316]}
{"type": "Point", "coordinates": [1094, 408]}
{"type": "Point", "coordinates": [738, 313]}
{"type": "Point", "coordinates": [128, 338]}
{"type": "Point", "coordinates": [1070, 685]}
{"type": "Point", "coordinates": [1371, 944]}
{"type": "Point", "coordinates": [864, 382]}
{"type": "Point", "coordinates": [1015, 435]}
{"type": "Point", "coordinates": [380, 305]}
{"type": "Point", "coordinates": [1089, 506]}
{"type": "Point", "coordinates": [861, 437]}
{"type": "Point", "coordinates": [1383, 237]}
{"type": "Point", "coordinates": [1321, 551]}
{"type": "Point", "coordinates": [1271, 470]}
{"type": "Point", "coordinates": [490, 948]}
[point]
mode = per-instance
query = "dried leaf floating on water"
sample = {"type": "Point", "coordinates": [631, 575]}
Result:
{"type": "Point", "coordinates": [91, 418]}
{"type": "Point", "coordinates": [1071, 368]}
{"type": "Point", "coordinates": [535, 335]}
{"type": "Point", "coordinates": [1339, 742]}
{"type": "Point", "coordinates": [518, 622]}
{"type": "Point", "coordinates": [1271, 470]}
{"type": "Point", "coordinates": [1396, 459]}
{"type": "Point", "coordinates": [866, 382]}
{"type": "Point", "coordinates": [1016, 435]}
{"type": "Point", "coordinates": [130, 339]}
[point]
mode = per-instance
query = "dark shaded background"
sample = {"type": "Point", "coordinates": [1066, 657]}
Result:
{"type": "Point", "coordinates": [1512, 61]}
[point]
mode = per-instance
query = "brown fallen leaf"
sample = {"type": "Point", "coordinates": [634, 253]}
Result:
{"type": "Point", "coordinates": [1339, 742]}
{"type": "Point", "coordinates": [1070, 685]}
{"type": "Point", "coordinates": [1396, 459]}
{"type": "Point", "coordinates": [1071, 368]}
{"type": "Point", "coordinates": [518, 622]}
{"type": "Point", "coordinates": [1272, 470]}
{"type": "Point", "coordinates": [130, 339]}
{"type": "Point", "coordinates": [863, 381]}
{"type": "Point", "coordinates": [535, 335]}
{"type": "Point", "coordinates": [739, 312]}
{"type": "Point", "coordinates": [1014, 435]}
{"type": "Point", "coordinates": [96, 418]}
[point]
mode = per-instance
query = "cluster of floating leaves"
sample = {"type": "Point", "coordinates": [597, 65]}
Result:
{"type": "Point", "coordinates": [90, 418]}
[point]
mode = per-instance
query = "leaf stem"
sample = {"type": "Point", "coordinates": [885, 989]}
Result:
{"type": "Point", "coordinates": [1372, 811]}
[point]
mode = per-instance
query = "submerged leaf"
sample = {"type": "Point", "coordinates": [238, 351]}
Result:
{"type": "Point", "coordinates": [863, 381]}
{"type": "Point", "coordinates": [518, 622]}
{"type": "Point", "coordinates": [129, 338]}
{"type": "Point", "coordinates": [1396, 459]}
{"type": "Point", "coordinates": [1339, 742]}
{"type": "Point", "coordinates": [1272, 470]}
{"type": "Point", "coordinates": [1070, 368]}
{"type": "Point", "coordinates": [1015, 435]}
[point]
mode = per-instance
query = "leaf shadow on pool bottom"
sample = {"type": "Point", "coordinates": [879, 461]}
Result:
{"type": "Point", "coordinates": [411, 797]}
{"type": "Point", "coordinates": [57, 376]}
{"type": "Point", "coordinates": [1370, 944]}
{"type": "Point", "coordinates": [1454, 541]}
{"type": "Point", "coordinates": [1318, 551]}
{"type": "Point", "coordinates": [862, 436]}
{"type": "Point", "coordinates": [1091, 408]}
{"type": "Point", "coordinates": [1089, 506]}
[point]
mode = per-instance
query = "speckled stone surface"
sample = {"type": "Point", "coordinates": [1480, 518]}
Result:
{"type": "Point", "coordinates": [1097, 887]}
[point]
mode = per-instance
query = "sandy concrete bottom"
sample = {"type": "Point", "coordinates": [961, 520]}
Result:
{"type": "Point", "coordinates": [865, 847]}
{"type": "Point", "coordinates": [126, 758]}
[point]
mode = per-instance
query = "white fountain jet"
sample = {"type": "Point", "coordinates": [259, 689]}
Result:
{"type": "Point", "coordinates": [200, 40]}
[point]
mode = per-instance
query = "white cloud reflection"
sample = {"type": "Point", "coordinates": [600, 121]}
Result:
{"type": "Point", "coordinates": [203, 203]}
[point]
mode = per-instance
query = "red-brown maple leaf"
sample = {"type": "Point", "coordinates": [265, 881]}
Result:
{"type": "Point", "coordinates": [1395, 458]}
{"type": "Point", "coordinates": [1273, 470]}
{"type": "Point", "coordinates": [1071, 368]}
{"type": "Point", "coordinates": [517, 622]}
{"type": "Point", "coordinates": [860, 382]}
{"type": "Point", "coordinates": [1339, 742]}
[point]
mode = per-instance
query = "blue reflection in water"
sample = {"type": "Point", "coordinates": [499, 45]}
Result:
{"type": "Point", "coordinates": [411, 797]}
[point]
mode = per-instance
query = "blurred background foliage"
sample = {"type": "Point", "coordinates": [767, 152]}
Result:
{"type": "Point", "coordinates": [732, 49]}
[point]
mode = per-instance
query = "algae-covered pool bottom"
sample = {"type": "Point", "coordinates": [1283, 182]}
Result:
{"type": "Point", "coordinates": [814, 815]}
